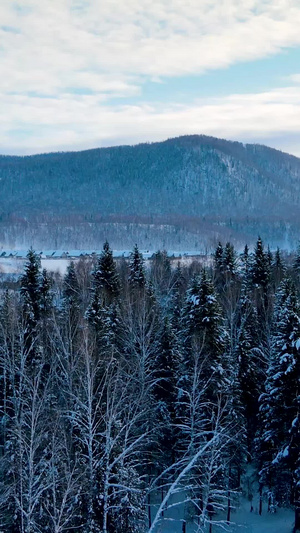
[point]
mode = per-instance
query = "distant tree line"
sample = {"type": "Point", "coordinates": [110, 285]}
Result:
{"type": "Point", "coordinates": [126, 390]}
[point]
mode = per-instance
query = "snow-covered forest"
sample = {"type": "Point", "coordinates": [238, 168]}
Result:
{"type": "Point", "coordinates": [125, 391]}
{"type": "Point", "coordinates": [185, 193]}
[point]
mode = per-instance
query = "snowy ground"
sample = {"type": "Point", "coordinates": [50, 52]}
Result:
{"type": "Point", "coordinates": [279, 522]}
{"type": "Point", "coordinates": [12, 265]}
{"type": "Point", "coordinates": [56, 265]}
{"type": "Point", "coordinates": [16, 266]}
{"type": "Point", "coordinates": [243, 521]}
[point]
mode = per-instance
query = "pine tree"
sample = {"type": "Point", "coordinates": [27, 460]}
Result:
{"type": "Point", "coordinates": [218, 258]}
{"type": "Point", "coordinates": [176, 299]}
{"type": "Point", "coordinates": [249, 366]}
{"type": "Point", "coordinates": [280, 402]}
{"type": "Point", "coordinates": [71, 296]}
{"type": "Point", "coordinates": [260, 275]}
{"type": "Point", "coordinates": [103, 310]}
{"type": "Point", "coordinates": [70, 315]}
{"type": "Point", "coordinates": [277, 269]}
{"type": "Point", "coordinates": [160, 273]}
{"type": "Point", "coordinates": [229, 260]}
{"type": "Point", "coordinates": [296, 264]}
{"type": "Point", "coordinates": [46, 297]}
{"type": "Point", "coordinates": [106, 279]}
{"type": "Point", "coordinates": [269, 257]}
{"type": "Point", "coordinates": [245, 260]}
{"type": "Point", "coordinates": [204, 337]}
{"type": "Point", "coordinates": [71, 286]}
{"type": "Point", "coordinates": [166, 368]}
{"type": "Point", "coordinates": [137, 278]}
{"type": "Point", "coordinates": [30, 286]}
{"type": "Point", "coordinates": [31, 298]}
{"type": "Point", "coordinates": [260, 268]}
{"type": "Point", "coordinates": [203, 317]}
{"type": "Point", "coordinates": [46, 308]}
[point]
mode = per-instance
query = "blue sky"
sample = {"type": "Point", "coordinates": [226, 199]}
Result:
{"type": "Point", "coordinates": [77, 74]}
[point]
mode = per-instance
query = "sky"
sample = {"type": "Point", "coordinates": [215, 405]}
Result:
{"type": "Point", "coordinates": [78, 74]}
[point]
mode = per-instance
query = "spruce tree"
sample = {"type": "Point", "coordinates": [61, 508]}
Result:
{"type": "Point", "coordinates": [279, 444]}
{"type": "Point", "coordinates": [106, 279]}
{"type": "Point", "coordinates": [30, 288]}
{"type": "Point", "coordinates": [71, 307]}
{"type": "Point", "coordinates": [250, 371]}
{"type": "Point", "coordinates": [204, 334]}
{"type": "Point", "coordinates": [160, 273]}
{"type": "Point", "coordinates": [296, 264]}
{"type": "Point", "coordinates": [45, 294]}
{"type": "Point", "coordinates": [260, 275]}
{"type": "Point", "coordinates": [260, 268]}
{"type": "Point", "coordinates": [203, 316]}
{"type": "Point", "coordinates": [31, 299]}
{"type": "Point", "coordinates": [245, 266]}
{"type": "Point", "coordinates": [229, 260]}
{"type": "Point", "coordinates": [136, 278]}
{"type": "Point", "coordinates": [166, 368]}
{"type": "Point", "coordinates": [175, 301]}
{"type": "Point", "coordinates": [71, 293]}
{"type": "Point", "coordinates": [277, 269]}
{"type": "Point", "coordinates": [218, 258]}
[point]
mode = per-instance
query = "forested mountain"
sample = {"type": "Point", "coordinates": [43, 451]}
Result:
{"type": "Point", "coordinates": [125, 390]}
{"type": "Point", "coordinates": [187, 192]}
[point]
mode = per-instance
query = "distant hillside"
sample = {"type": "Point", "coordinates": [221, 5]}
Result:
{"type": "Point", "coordinates": [184, 193]}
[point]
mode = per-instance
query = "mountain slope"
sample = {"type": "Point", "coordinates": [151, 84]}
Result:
{"type": "Point", "coordinates": [193, 185]}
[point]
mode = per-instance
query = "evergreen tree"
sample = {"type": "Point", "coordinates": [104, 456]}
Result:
{"type": "Point", "coordinates": [204, 334]}
{"type": "Point", "coordinates": [269, 257]}
{"type": "Point", "coordinates": [106, 279]}
{"type": "Point", "coordinates": [46, 297]}
{"type": "Point", "coordinates": [245, 266]}
{"type": "Point", "coordinates": [280, 402]}
{"type": "Point", "coordinates": [260, 275]}
{"type": "Point", "coordinates": [296, 264]}
{"type": "Point", "coordinates": [175, 302]}
{"type": "Point", "coordinates": [203, 316]}
{"type": "Point", "coordinates": [250, 370]}
{"type": "Point", "coordinates": [218, 258]}
{"type": "Point", "coordinates": [31, 298]}
{"type": "Point", "coordinates": [229, 260]}
{"type": "Point", "coordinates": [166, 368]}
{"type": "Point", "coordinates": [137, 278]}
{"type": "Point", "coordinates": [260, 268]}
{"type": "Point", "coordinates": [277, 269]}
{"type": "Point", "coordinates": [71, 313]}
{"type": "Point", "coordinates": [160, 273]}
{"type": "Point", "coordinates": [103, 310]}
{"type": "Point", "coordinates": [30, 287]}
{"type": "Point", "coordinates": [71, 296]}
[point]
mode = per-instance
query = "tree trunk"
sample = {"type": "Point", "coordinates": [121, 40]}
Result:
{"type": "Point", "coordinates": [149, 510]}
{"type": "Point", "coordinates": [297, 512]}
{"type": "Point", "coordinates": [260, 500]}
{"type": "Point", "coordinates": [228, 497]}
{"type": "Point", "coordinates": [105, 503]}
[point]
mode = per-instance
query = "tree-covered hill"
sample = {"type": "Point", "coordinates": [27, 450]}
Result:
{"type": "Point", "coordinates": [189, 188]}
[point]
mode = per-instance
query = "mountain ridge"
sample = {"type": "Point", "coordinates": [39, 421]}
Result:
{"type": "Point", "coordinates": [206, 188]}
{"type": "Point", "coordinates": [147, 143]}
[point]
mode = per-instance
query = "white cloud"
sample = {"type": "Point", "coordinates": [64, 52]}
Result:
{"type": "Point", "coordinates": [74, 121]}
{"type": "Point", "coordinates": [66, 43]}
{"type": "Point", "coordinates": [108, 48]}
